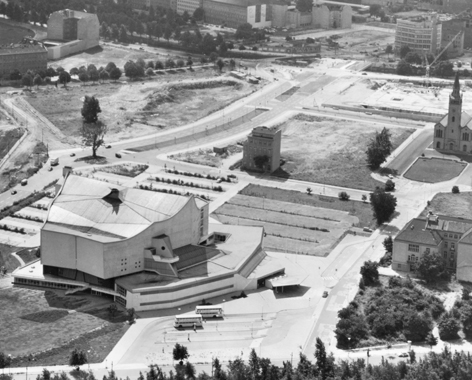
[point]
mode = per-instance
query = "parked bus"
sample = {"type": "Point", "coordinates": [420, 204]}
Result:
{"type": "Point", "coordinates": [211, 311]}
{"type": "Point", "coordinates": [188, 320]}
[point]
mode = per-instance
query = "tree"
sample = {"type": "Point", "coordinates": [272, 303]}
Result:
{"type": "Point", "coordinates": [77, 357]}
{"type": "Point", "coordinates": [370, 273]}
{"type": "Point", "coordinates": [379, 148]}
{"type": "Point", "coordinates": [83, 76]}
{"type": "Point", "coordinates": [389, 185]}
{"type": "Point", "coordinates": [110, 66]}
{"type": "Point", "coordinates": [323, 363]}
{"type": "Point", "coordinates": [383, 205]}
{"type": "Point", "coordinates": [94, 75]}
{"type": "Point", "coordinates": [37, 80]}
{"type": "Point", "coordinates": [123, 34]}
{"type": "Point", "coordinates": [343, 196]}
{"type": "Point", "coordinates": [220, 64]}
{"type": "Point", "coordinates": [413, 57]}
{"type": "Point", "coordinates": [104, 75]}
{"type": "Point", "coordinates": [180, 353]}
{"type": "Point", "coordinates": [168, 32]}
{"type": "Point", "coordinates": [444, 69]}
{"type": "Point", "coordinates": [133, 71]}
{"type": "Point", "coordinates": [448, 327]}
{"type": "Point", "coordinates": [389, 50]}
{"type": "Point", "coordinates": [455, 190]}
{"type": "Point", "coordinates": [5, 360]}
{"type": "Point", "coordinates": [27, 81]}
{"type": "Point", "coordinates": [304, 5]}
{"type": "Point", "coordinates": [388, 244]}
{"type": "Point", "coordinates": [90, 109]}
{"type": "Point", "coordinates": [74, 71]}
{"type": "Point", "coordinates": [404, 50]}
{"type": "Point", "coordinates": [417, 326]}
{"type": "Point", "coordinates": [112, 310]}
{"type": "Point", "coordinates": [64, 78]}
{"type": "Point", "coordinates": [199, 14]}
{"type": "Point", "coordinates": [115, 74]}
{"type": "Point", "coordinates": [431, 340]}
{"type": "Point", "coordinates": [431, 266]}
{"type": "Point", "coordinates": [243, 32]}
{"type": "Point", "coordinates": [254, 364]}
{"type": "Point", "coordinates": [375, 9]}
{"type": "Point", "coordinates": [93, 135]}
{"type": "Point", "coordinates": [180, 63]}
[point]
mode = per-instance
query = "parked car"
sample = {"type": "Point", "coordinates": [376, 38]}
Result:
{"type": "Point", "coordinates": [325, 294]}
{"type": "Point", "coordinates": [117, 155]}
{"type": "Point", "coordinates": [72, 154]}
{"type": "Point", "coordinates": [24, 182]}
{"type": "Point", "coordinates": [13, 192]}
{"type": "Point", "coordinates": [107, 146]}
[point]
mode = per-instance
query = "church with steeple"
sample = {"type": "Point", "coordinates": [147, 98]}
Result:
{"type": "Point", "coordinates": [453, 134]}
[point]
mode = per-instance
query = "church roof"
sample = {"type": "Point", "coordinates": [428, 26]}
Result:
{"type": "Point", "coordinates": [466, 120]}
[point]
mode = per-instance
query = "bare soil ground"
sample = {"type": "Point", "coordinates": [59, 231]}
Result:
{"type": "Point", "coordinates": [6, 259]}
{"type": "Point", "coordinates": [139, 108]}
{"type": "Point", "coordinates": [331, 151]}
{"type": "Point", "coordinates": [289, 226]}
{"type": "Point", "coordinates": [433, 170]}
{"type": "Point", "coordinates": [456, 205]}
{"type": "Point", "coordinates": [207, 157]}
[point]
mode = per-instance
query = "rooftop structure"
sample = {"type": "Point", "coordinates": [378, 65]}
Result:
{"type": "Point", "coordinates": [149, 250]}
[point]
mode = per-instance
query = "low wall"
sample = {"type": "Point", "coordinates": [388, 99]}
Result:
{"type": "Point", "coordinates": [392, 112]}
{"type": "Point", "coordinates": [68, 48]}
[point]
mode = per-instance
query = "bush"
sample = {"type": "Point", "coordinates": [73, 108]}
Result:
{"type": "Point", "coordinates": [455, 190]}
{"type": "Point", "coordinates": [448, 327]}
{"type": "Point", "coordinates": [343, 196]}
{"type": "Point", "coordinates": [389, 185]}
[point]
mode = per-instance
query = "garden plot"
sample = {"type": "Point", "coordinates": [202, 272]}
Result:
{"type": "Point", "coordinates": [186, 182]}
{"type": "Point", "coordinates": [289, 227]}
{"type": "Point", "coordinates": [30, 226]}
{"type": "Point", "coordinates": [180, 190]}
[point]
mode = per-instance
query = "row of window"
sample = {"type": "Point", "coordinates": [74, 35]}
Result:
{"type": "Point", "coordinates": [45, 284]}
{"type": "Point", "coordinates": [439, 133]}
{"type": "Point", "coordinates": [121, 290]}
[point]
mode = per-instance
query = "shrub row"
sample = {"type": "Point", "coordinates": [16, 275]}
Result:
{"type": "Point", "coordinates": [198, 175]}
{"type": "Point", "coordinates": [27, 217]}
{"type": "Point", "coordinates": [144, 187]}
{"type": "Point", "coordinates": [6, 227]}
{"type": "Point", "coordinates": [18, 205]}
{"type": "Point", "coordinates": [179, 182]}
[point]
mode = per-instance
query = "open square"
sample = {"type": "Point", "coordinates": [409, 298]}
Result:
{"type": "Point", "coordinates": [433, 170]}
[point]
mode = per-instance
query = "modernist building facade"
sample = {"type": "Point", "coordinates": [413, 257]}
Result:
{"type": "Point", "coordinates": [233, 13]}
{"type": "Point", "coordinates": [149, 250]}
{"type": "Point", "coordinates": [447, 236]}
{"type": "Point", "coordinates": [453, 133]}
{"type": "Point", "coordinates": [29, 55]}
{"type": "Point", "coordinates": [421, 34]}
{"type": "Point", "coordinates": [262, 141]}
{"type": "Point", "coordinates": [330, 16]}
{"type": "Point", "coordinates": [71, 32]}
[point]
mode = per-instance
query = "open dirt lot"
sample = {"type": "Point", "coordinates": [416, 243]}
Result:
{"type": "Point", "coordinates": [331, 151]}
{"type": "Point", "coordinates": [289, 226]}
{"type": "Point", "coordinates": [100, 56]}
{"type": "Point", "coordinates": [12, 34]}
{"type": "Point", "coordinates": [433, 170]}
{"type": "Point", "coordinates": [456, 205]}
{"type": "Point", "coordinates": [140, 108]}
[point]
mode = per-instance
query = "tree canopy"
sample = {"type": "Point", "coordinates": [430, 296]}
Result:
{"type": "Point", "coordinates": [383, 205]}
{"type": "Point", "coordinates": [431, 266]}
{"type": "Point", "coordinates": [379, 148]}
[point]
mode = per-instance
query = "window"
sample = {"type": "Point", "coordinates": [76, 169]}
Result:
{"type": "Point", "coordinates": [453, 120]}
{"type": "Point", "coordinates": [465, 136]}
{"type": "Point", "coordinates": [464, 148]}
{"type": "Point", "coordinates": [455, 236]}
{"type": "Point", "coordinates": [453, 246]}
{"type": "Point", "coordinates": [439, 133]}
{"type": "Point", "coordinates": [445, 244]}
{"type": "Point", "coordinates": [413, 248]}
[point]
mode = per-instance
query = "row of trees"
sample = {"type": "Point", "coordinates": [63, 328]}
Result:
{"type": "Point", "coordinates": [445, 365]}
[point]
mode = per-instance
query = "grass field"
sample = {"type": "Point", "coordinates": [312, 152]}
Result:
{"type": "Point", "coordinates": [433, 170]}
{"type": "Point", "coordinates": [138, 108]}
{"type": "Point", "coordinates": [331, 151]}
{"type": "Point", "coordinates": [456, 205]}
{"type": "Point", "coordinates": [362, 211]}
{"type": "Point", "coordinates": [13, 34]}
{"type": "Point", "coordinates": [23, 336]}
{"type": "Point", "coordinates": [290, 227]}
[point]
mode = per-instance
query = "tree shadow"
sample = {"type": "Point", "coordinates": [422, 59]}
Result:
{"type": "Point", "coordinates": [94, 50]}
{"type": "Point", "coordinates": [99, 160]}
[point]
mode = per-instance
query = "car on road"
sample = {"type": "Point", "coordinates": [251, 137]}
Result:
{"type": "Point", "coordinates": [368, 113]}
{"type": "Point", "coordinates": [325, 294]}
{"type": "Point", "coordinates": [24, 182]}
{"type": "Point", "coordinates": [107, 146]}
{"type": "Point", "coordinates": [13, 192]}
{"type": "Point", "coordinates": [50, 169]}
{"type": "Point", "coordinates": [117, 155]}
{"type": "Point", "coordinates": [403, 355]}
{"type": "Point", "coordinates": [364, 73]}
{"type": "Point", "coordinates": [72, 154]}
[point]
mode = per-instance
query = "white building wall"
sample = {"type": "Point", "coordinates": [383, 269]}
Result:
{"type": "Point", "coordinates": [88, 30]}
{"type": "Point", "coordinates": [251, 17]}
{"type": "Point", "coordinates": [55, 26]}
{"type": "Point", "coordinates": [90, 256]}
{"type": "Point", "coordinates": [464, 262]}
{"type": "Point", "coordinates": [58, 250]}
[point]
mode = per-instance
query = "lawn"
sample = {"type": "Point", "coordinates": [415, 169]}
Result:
{"type": "Point", "coordinates": [331, 151]}
{"type": "Point", "coordinates": [127, 170]}
{"type": "Point", "coordinates": [13, 34]}
{"type": "Point", "coordinates": [290, 227]}
{"type": "Point", "coordinates": [455, 205]}
{"type": "Point", "coordinates": [23, 335]}
{"type": "Point", "coordinates": [6, 259]}
{"type": "Point", "coordinates": [433, 170]}
{"type": "Point", "coordinates": [362, 211]}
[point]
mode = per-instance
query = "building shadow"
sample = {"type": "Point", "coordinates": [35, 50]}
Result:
{"type": "Point", "coordinates": [291, 291]}
{"type": "Point", "coordinates": [94, 50]}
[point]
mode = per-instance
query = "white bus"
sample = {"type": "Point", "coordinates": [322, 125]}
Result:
{"type": "Point", "coordinates": [211, 311]}
{"type": "Point", "coordinates": [188, 320]}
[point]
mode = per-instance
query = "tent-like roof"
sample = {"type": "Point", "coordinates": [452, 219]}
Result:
{"type": "Point", "coordinates": [107, 212]}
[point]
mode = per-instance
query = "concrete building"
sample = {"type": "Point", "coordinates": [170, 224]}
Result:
{"type": "Point", "coordinates": [421, 34]}
{"type": "Point", "coordinates": [331, 16]}
{"type": "Point", "coordinates": [71, 32]}
{"type": "Point", "coordinates": [29, 55]}
{"type": "Point", "coordinates": [263, 141]}
{"type": "Point", "coordinates": [447, 236]}
{"type": "Point", "coordinates": [149, 250]}
{"type": "Point", "coordinates": [453, 30]}
{"type": "Point", "coordinates": [233, 13]}
{"type": "Point", "coordinates": [453, 133]}
{"type": "Point", "coordinates": [188, 5]}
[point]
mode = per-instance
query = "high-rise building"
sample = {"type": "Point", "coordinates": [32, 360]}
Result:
{"type": "Point", "coordinates": [421, 34]}
{"type": "Point", "coordinates": [262, 149]}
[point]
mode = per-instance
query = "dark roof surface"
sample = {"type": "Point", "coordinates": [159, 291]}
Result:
{"type": "Point", "coordinates": [415, 232]}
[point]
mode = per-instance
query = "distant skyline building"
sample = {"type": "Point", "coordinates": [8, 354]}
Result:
{"type": "Point", "coordinates": [233, 13]}
{"type": "Point", "coordinates": [421, 34]}
{"type": "Point", "coordinates": [29, 55]}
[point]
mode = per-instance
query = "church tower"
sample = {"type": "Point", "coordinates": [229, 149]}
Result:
{"type": "Point", "coordinates": [454, 117]}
